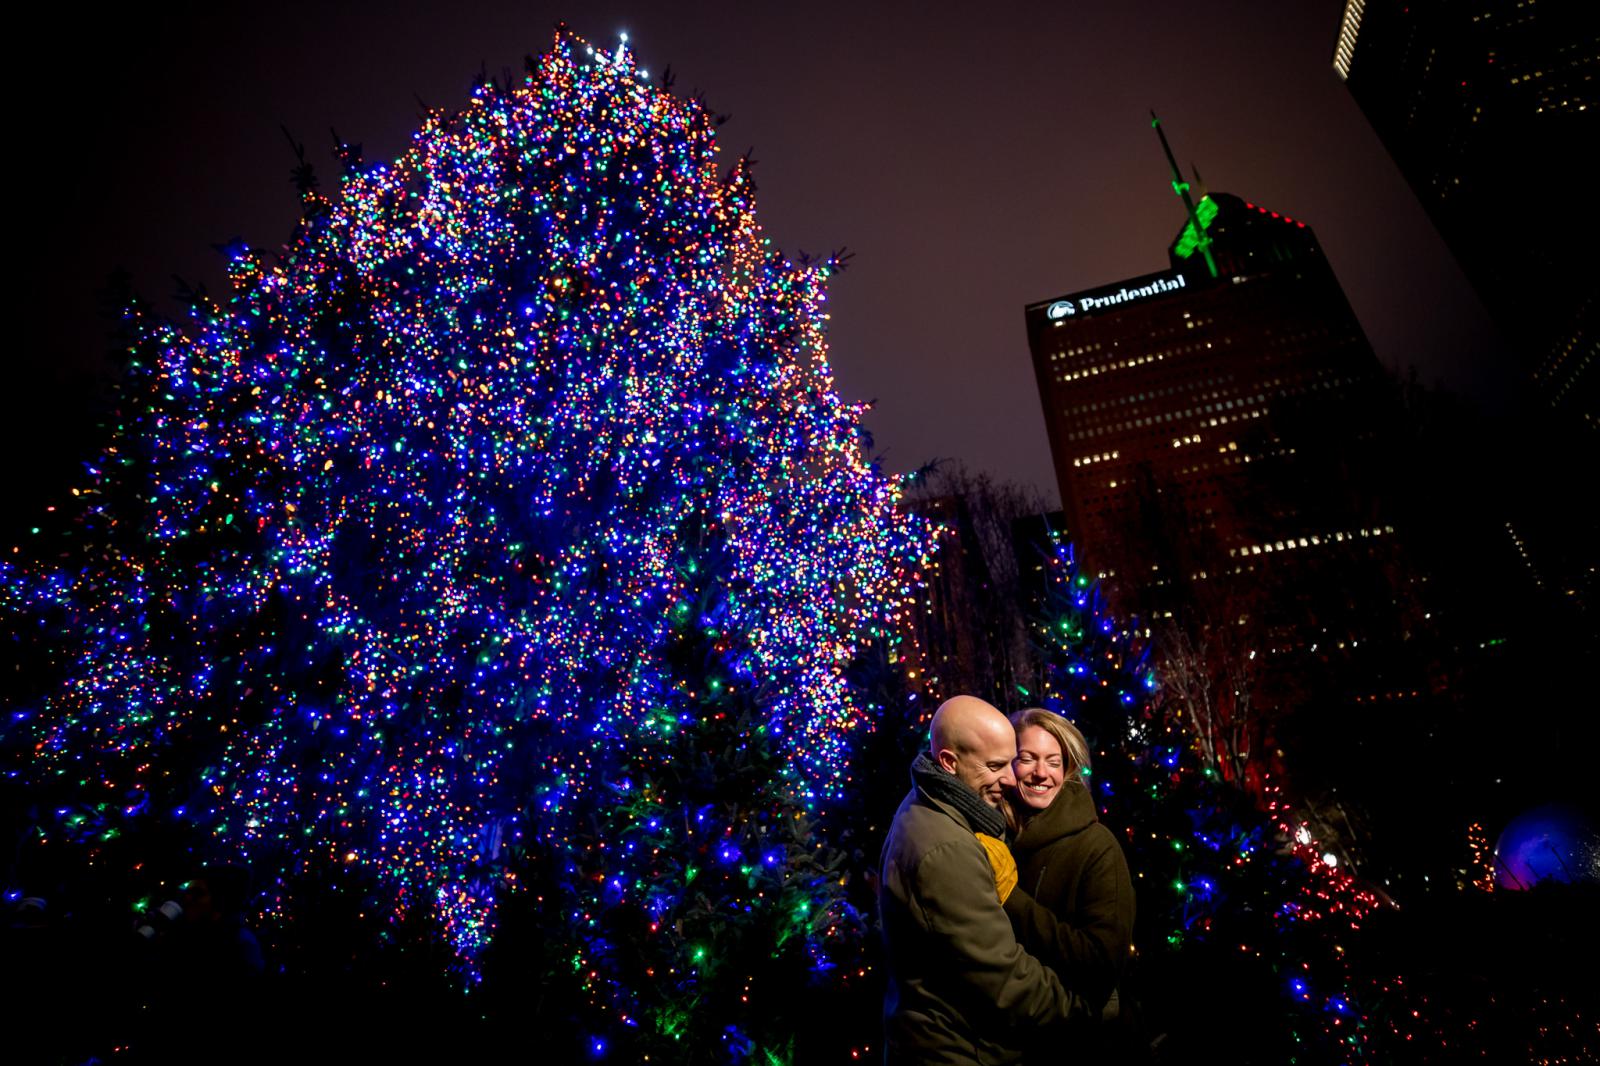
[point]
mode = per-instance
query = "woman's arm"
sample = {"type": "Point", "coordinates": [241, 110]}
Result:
{"type": "Point", "coordinates": [1087, 951]}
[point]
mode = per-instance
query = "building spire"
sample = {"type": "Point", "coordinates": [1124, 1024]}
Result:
{"type": "Point", "coordinates": [1181, 187]}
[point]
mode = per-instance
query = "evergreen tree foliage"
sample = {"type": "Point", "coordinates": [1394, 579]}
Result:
{"type": "Point", "coordinates": [498, 548]}
{"type": "Point", "coordinates": [1239, 916]}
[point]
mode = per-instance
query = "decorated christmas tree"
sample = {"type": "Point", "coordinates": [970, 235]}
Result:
{"type": "Point", "coordinates": [491, 556]}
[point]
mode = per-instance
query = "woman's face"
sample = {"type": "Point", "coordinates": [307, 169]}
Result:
{"type": "Point", "coordinates": [1039, 767]}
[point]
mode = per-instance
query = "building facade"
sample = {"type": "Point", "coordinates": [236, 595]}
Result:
{"type": "Point", "coordinates": [1221, 448]}
{"type": "Point", "coordinates": [1192, 419]}
{"type": "Point", "coordinates": [1490, 109]}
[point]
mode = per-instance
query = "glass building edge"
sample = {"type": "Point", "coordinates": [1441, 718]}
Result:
{"type": "Point", "coordinates": [1344, 50]}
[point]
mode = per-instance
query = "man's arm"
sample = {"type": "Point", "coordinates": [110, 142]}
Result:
{"type": "Point", "coordinates": [956, 889]}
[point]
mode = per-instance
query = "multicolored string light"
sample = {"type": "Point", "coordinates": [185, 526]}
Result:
{"type": "Point", "coordinates": [457, 515]}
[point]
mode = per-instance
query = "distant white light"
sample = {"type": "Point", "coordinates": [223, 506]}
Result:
{"type": "Point", "coordinates": [1330, 858]}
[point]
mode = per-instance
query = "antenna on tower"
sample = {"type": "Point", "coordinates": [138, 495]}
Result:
{"type": "Point", "coordinates": [1181, 187]}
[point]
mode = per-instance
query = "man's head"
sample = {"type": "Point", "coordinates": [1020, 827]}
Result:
{"type": "Point", "coordinates": [973, 741]}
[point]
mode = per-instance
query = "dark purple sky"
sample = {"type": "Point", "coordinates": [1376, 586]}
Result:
{"type": "Point", "coordinates": [975, 158]}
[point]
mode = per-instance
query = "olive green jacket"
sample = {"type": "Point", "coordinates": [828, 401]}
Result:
{"type": "Point", "coordinates": [1073, 904]}
{"type": "Point", "coordinates": [961, 990]}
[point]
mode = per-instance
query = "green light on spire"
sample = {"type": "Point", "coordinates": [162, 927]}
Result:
{"type": "Point", "coordinates": [1196, 225]}
{"type": "Point", "coordinates": [1189, 240]}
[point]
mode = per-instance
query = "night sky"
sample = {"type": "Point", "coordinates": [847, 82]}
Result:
{"type": "Point", "coordinates": [975, 158]}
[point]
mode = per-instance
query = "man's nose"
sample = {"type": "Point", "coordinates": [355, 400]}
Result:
{"type": "Point", "coordinates": [1007, 778]}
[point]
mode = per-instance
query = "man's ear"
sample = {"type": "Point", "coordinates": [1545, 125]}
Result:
{"type": "Point", "coordinates": [947, 760]}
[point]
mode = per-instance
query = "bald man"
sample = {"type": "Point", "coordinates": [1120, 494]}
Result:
{"type": "Point", "coordinates": [961, 989]}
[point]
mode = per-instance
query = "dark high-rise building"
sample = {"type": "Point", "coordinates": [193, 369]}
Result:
{"type": "Point", "coordinates": [1219, 431]}
{"type": "Point", "coordinates": [1201, 423]}
{"type": "Point", "coordinates": [1490, 109]}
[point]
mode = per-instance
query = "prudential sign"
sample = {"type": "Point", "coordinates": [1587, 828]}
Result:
{"type": "Point", "coordinates": [1094, 301]}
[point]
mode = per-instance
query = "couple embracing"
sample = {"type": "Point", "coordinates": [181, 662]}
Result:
{"type": "Point", "coordinates": [1003, 946]}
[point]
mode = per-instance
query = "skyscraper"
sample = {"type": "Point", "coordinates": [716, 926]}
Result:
{"type": "Point", "coordinates": [1490, 109]}
{"type": "Point", "coordinates": [1186, 413]}
{"type": "Point", "coordinates": [1219, 437]}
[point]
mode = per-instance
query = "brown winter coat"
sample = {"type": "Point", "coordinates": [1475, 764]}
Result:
{"type": "Point", "coordinates": [1073, 905]}
{"type": "Point", "coordinates": [961, 990]}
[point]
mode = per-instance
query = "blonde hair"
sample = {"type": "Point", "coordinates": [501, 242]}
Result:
{"type": "Point", "coordinates": [1074, 749]}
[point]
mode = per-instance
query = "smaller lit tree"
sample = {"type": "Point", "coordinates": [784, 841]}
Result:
{"type": "Point", "coordinates": [1236, 903]}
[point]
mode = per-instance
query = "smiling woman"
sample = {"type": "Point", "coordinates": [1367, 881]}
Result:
{"type": "Point", "coordinates": [1050, 751]}
{"type": "Point", "coordinates": [1073, 906]}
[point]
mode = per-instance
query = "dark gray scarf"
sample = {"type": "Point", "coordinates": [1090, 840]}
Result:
{"type": "Point", "coordinates": [932, 779]}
